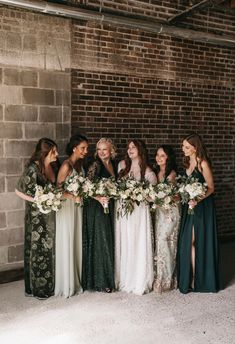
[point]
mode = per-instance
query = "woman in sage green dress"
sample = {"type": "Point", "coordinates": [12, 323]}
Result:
{"type": "Point", "coordinates": [198, 246]}
{"type": "Point", "coordinates": [69, 223]}
{"type": "Point", "coordinates": [98, 227]}
{"type": "Point", "coordinates": [39, 248]}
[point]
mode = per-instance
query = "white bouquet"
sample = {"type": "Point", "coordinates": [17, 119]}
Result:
{"type": "Point", "coordinates": [164, 194]}
{"type": "Point", "coordinates": [104, 187]}
{"type": "Point", "coordinates": [191, 189]}
{"type": "Point", "coordinates": [75, 184]}
{"type": "Point", "coordinates": [48, 198]}
{"type": "Point", "coordinates": [131, 192]}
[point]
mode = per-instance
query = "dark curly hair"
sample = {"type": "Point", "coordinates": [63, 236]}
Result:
{"type": "Point", "coordinates": [74, 141]}
{"type": "Point", "coordinates": [143, 159]}
{"type": "Point", "coordinates": [171, 160]}
{"type": "Point", "coordinates": [201, 152]}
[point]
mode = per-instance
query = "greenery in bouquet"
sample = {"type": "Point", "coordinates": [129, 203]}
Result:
{"type": "Point", "coordinates": [104, 187]}
{"type": "Point", "coordinates": [131, 192]}
{"type": "Point", "coordinates": [75, 184]}
{"type": "Point", "coordinates": [48, 198]}
{"type": "Point", "coordinates": [164, 195]}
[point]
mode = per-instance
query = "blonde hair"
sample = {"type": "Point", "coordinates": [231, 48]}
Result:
{"type": "Point", "coordinates": [108, 141]}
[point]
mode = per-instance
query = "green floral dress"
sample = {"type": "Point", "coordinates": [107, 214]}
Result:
{"type": "Point", "coordinates": [39, 246]}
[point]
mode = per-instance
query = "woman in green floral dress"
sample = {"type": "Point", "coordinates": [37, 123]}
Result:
{"type": "Point", "coordinates": [39, 228]}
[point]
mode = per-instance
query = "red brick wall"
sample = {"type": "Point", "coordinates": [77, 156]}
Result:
{"type": "Point", "coordinates": [128, 84]}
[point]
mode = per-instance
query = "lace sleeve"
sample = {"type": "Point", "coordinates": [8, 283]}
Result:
{"type": "Point", "coordinates": [93, 170]}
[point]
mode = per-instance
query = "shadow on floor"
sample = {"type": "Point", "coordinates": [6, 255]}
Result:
{"type": "Point", "coordinates": [227, 264]}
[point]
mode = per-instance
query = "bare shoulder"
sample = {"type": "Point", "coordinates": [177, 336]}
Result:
{"type": "Point", "coordinates": [205, 166]}
{"type": "Point", "coordinates": [121, 165]}
{"type": "Point", "coordinates": [172, 176]}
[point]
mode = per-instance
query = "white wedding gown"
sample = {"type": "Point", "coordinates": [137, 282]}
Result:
{"type": "Point", "coordinates": [68, 267]}
{"type": "Point", "coordinates": [134, 248]}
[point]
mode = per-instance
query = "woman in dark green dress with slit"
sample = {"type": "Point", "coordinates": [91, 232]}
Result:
{"type": "Point", "coordinates": [198, 246]}
{"type": "Point", "coordinates": [39, 244]}
{"type": "Point", "coordinates": [98, 227]}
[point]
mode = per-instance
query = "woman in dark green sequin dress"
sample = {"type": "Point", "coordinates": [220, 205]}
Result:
{"type": "Point", "coordinates": [198, 247]}
{"type": "Point", "coordinates": [98, 227]}
{"type": "Point", "coordinates": [39, 254]}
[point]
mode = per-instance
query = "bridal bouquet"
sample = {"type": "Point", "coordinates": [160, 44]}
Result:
{"type": "Point", "coordinates": [104, 187]}
{"type": "Point", "coordinates": [191, 189]}
{"type": "Point", "coordinates": [75, 184]}
{"type": "Point", "coordinates": [131, 192]}
{"type": "Point", "coordinates": [164, 194]}
{"type": "Point", "coordinates": [48, 198]}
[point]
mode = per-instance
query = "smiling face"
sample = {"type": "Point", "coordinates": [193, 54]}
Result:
{"type": "Point", "coordinates": [188, 149]}
{"type": "Point", "coordinates": [161, 157]}
{"type": "Point", "coordinates": [104, 151]}
{"type": "Point", "coordinates": [132, 151]}
{"type": "Point", "coordinates": [81, 150]}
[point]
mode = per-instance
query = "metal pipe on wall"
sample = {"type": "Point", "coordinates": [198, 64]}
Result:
{"type": "Point", "coordinates": [121, 21]}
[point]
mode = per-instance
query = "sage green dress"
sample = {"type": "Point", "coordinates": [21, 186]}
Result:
{"type": "Point", "coordinates": [98, 238]}
{"type": "Point", "coordinates": [39, 243]}
{"type": "Point", "coordinates": [206, 277]}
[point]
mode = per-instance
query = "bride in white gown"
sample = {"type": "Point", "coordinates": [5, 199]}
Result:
{"type": "Point", "coordinates": [69, 225]}
{"type": "Point", "coordinates": [134, 233]}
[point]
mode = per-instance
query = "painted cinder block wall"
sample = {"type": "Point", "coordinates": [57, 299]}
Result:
{"type": "Point", "coordinates": [34, 103]}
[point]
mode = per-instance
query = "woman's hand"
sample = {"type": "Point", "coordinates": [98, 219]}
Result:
{"type": "Point", "coordinates": [103, 200]}
{"type": "Point", "coordinates": [77, 199]}
{"type": "Point", "coordinates": [192, 204]}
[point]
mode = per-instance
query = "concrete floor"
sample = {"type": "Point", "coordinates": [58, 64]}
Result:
{"type": "Point", "coordinates": [120, 318]}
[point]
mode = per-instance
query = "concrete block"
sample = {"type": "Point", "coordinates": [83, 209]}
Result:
{"type": "Point", "coordinates": [61, 147]}
{"type": "Point", "coordinates": [1, 113]}
{"type": "Point", "coordinates": [54, 80]}
{"type": "Point", "coordinates": [66, 114]}
{"type": "Point", "coordinates": [11, 182]}
{"type": "Point", "coordinates": [10, 94]}
{"type": "Point", "coordinates": [11, 131]}
{"type": "Point", "coordinates": [9, 201]}
{"type": "Point", "coordinates": [2, 184]}
{"type": "Point", "coordinates": [15, 253]}
{"type": "Point", "coordinates": [1, 148]}
{"type": "Point", "coordinates": [63, 98]}
{"type": "Point", "coordinates": [21, 113]}
{"type": "Point", "coordinates": [3, 255]}
{"type": "Point", "coordinates": [13, 41]}
{"type": "Point", "coordinates": [28, 78]}
{"type": "Point", "coordinates": [16, 148]}
{"type": "Point", "coordinates": [15, 218]}
{"type": "Point", "coordinates": [0, 75]}
{"type": "Point", "coordinates": [2, 220]}
{"type": "Point", "coordinates": [62, 131]}
{"type": "Point", "coordinates": [50, 114]}
{"type": "Point", "coordinates": [11, 76]}
{"type": "Point", "coordinates": [32, 60]}
{"type": "Point", "coordinates": [30, 43]}
{"type": "Point", "coordinates": [10, 166]}
{"type": "Point", "coordinates": [36, 131]}
{"type": "Point", "coordinates": [11, 236]}
{"type": "Point", "coordinates": [38, 96]}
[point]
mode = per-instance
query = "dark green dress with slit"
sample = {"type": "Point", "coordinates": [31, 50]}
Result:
{"type": "Point", "coordinates": [206, 277]}
{"type": "Point", "coordinates": [39, 243]}
{"type": "Point", "coordinates": [98, 238]}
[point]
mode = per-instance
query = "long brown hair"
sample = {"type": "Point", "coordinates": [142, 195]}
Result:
{"type": "Point", "coordinates": [201, 152]}
{"type": "Point", "coordinates": [42, 149]}
{"type": "Point", "coordinates": [143, 159]}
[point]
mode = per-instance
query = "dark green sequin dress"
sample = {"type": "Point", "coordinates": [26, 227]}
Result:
{"type": "Point", "coordinates": [206, 246]}
{"type": "Point", "coordinates": [98, 238]}
{"type": "Point", "coordinates": [39, 245]}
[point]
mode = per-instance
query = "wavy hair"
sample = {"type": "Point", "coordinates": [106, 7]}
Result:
{"type": "Point", "coordinates": [143, 159]}
{"type": "Point", "coordinates": [42, 149]}
{"type": "Point", "coordinates": [201, 152]}
{"type": "Point", "coordinates": [113, 149]}
{"type": "Point", "coordinates": [74, 141]}
{"type": "Point", "coordinates": [171, 160]}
